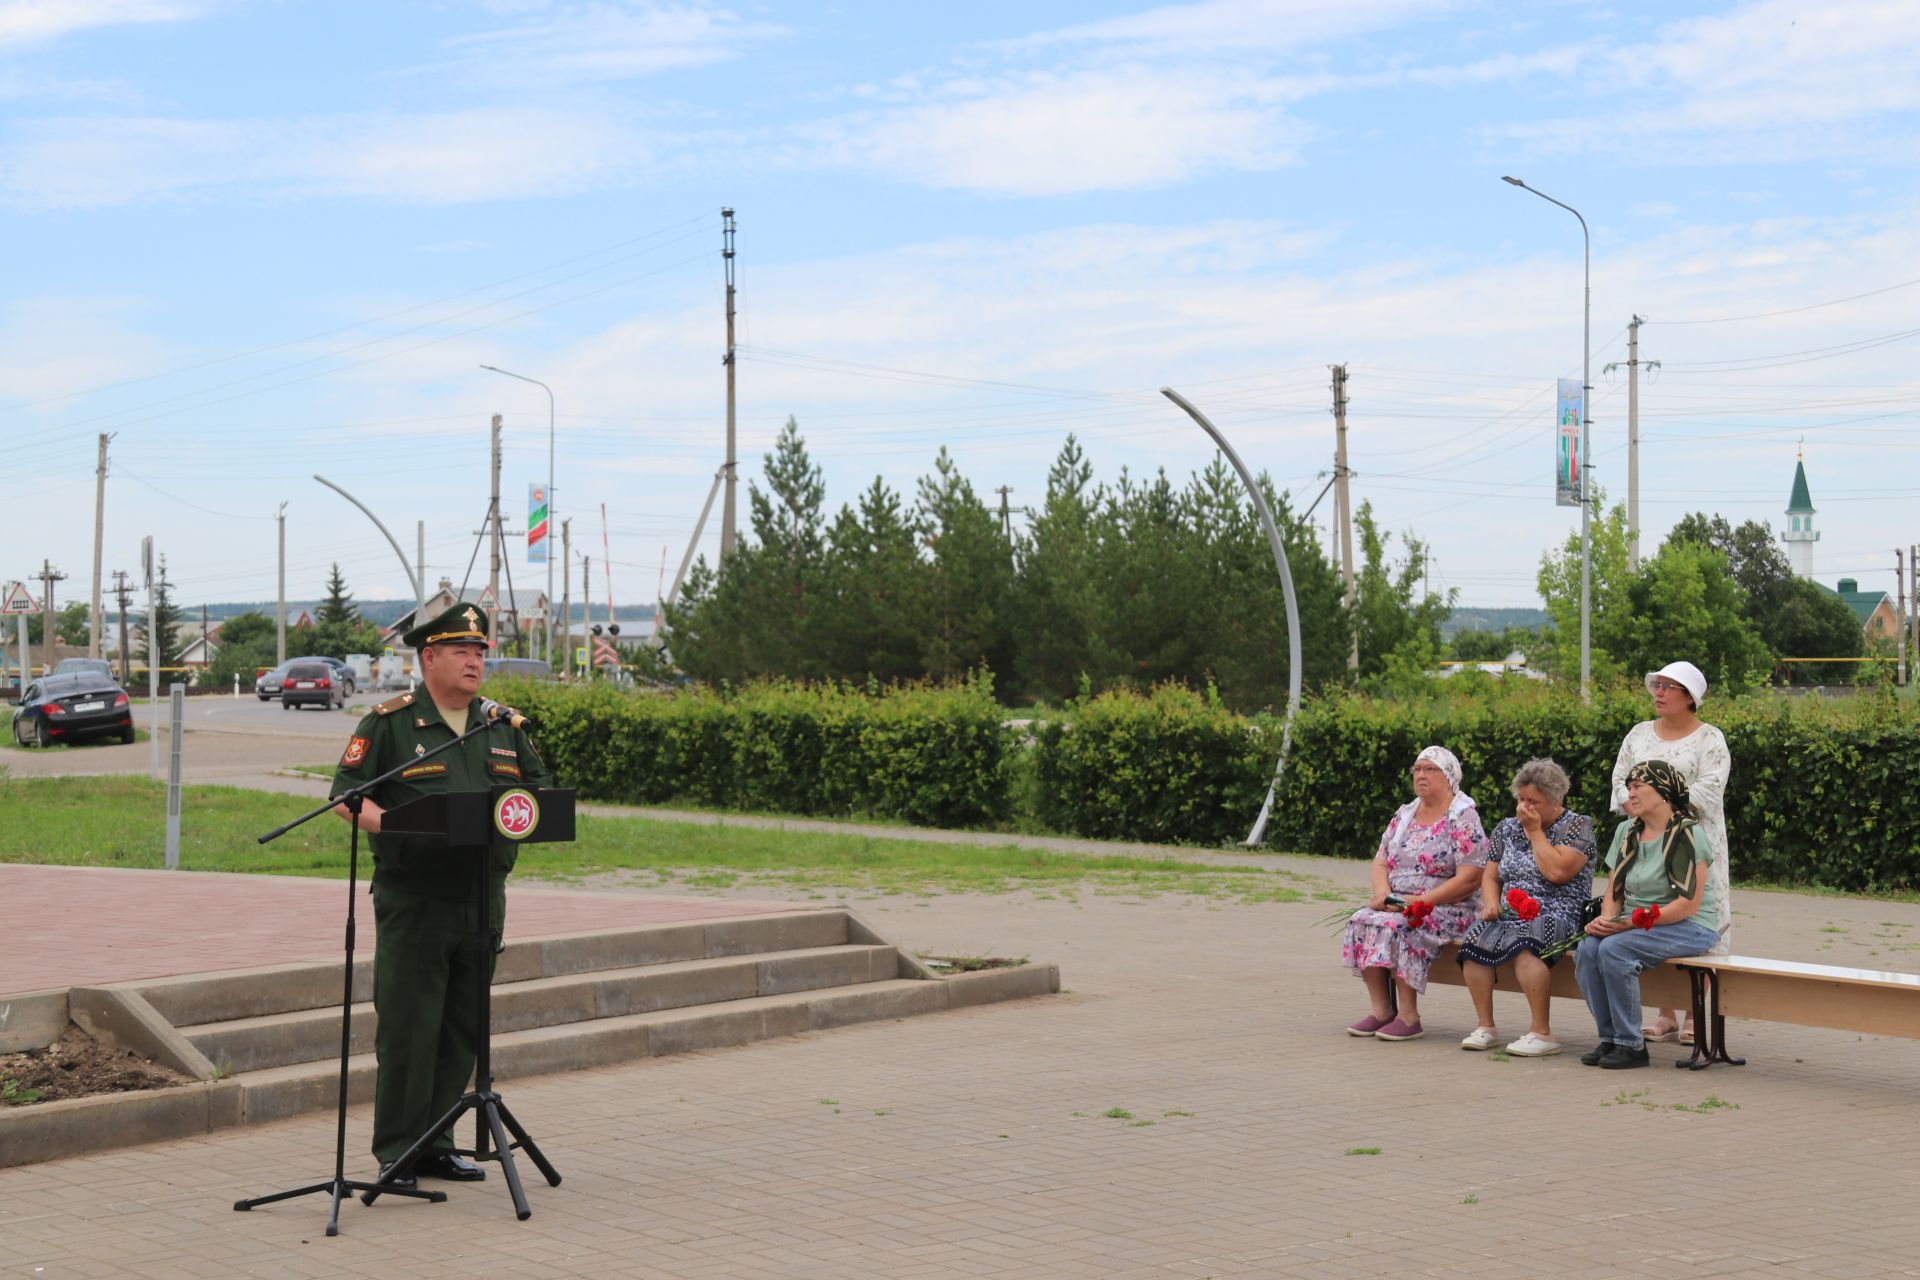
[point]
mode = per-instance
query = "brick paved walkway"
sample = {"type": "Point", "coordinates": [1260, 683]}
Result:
{"type": "Point", "coordinates": [81, 926]}
{"type": "Point", "coordinates": [973, 1143]}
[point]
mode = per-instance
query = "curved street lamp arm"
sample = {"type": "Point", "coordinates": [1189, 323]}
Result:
{"type": "Point", "coordinates": [1286, 587]}
{"type": "Point", "coordinates": [415, 582]}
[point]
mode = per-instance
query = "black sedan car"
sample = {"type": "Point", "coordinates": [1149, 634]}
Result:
{"type": "Point", "coordinates": [72, 708]}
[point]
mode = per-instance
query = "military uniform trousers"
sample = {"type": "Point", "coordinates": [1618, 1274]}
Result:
{"type": "Point", "coordinates": [426, 964]}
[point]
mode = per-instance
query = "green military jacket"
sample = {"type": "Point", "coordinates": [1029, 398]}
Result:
{"type": "Point", "coordinates": [404, 728]}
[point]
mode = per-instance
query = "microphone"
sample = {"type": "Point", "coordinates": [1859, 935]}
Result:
{"type": "Point", "coordinates": [500, 711]}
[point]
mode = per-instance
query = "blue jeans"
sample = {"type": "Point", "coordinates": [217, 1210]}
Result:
{"type": "Point", "coordinates": [1609, 972]}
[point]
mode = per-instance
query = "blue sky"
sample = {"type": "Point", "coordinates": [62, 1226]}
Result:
{"type": "Point", "coordinates": [259, 241]}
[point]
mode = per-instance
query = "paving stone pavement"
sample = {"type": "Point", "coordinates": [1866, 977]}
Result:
{"type": "Point", "coordinates": [974, 1143]}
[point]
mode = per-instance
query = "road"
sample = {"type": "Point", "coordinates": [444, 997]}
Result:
{"type": "Point", "coordinates": [227, 740]}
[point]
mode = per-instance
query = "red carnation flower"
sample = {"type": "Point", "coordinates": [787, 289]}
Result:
{"type": "Point", "coordinates": [1417, 912]}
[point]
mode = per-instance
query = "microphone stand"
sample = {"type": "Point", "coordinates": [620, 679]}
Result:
{"type": "Point", "coordinates": [340, 1187]}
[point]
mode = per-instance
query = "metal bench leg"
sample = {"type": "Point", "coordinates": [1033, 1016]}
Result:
{"type": "Point", "coordinates": [1720, 1033]}
{"type": "Point", "coordinates": [1702, 1036]}
{"type": "Point", "coordinates": [1709, 1024]}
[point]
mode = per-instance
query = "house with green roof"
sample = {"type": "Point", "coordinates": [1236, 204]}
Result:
{"type": "Point", "coordinates": [1874, 609]}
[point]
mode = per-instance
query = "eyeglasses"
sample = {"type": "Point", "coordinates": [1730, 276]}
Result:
{"type": "Point", "coordinates": [1668, 686]}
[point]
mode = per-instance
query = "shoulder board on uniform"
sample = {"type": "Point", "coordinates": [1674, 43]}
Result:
{"type": "Point", "coordinates": [392, 705]}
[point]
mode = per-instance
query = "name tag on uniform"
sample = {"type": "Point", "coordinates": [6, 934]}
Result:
{"type": "Point", "coordinates": [501, 766]}
{"type": "Point", "coordinates": [423, 770]}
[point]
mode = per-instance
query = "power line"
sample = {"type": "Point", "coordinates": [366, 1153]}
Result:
{"type": "Point", "coordinates": [1811, 306]}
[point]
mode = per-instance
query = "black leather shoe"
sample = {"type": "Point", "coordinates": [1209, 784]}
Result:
{"type": "Point", "coordinates": [445, 1164]}
{"type": "Point", "coordinates": [1623, 1058]}
{"type": "Point", "coordinates": [407, 1183]}
{"type": "Point", "coordinates": [1594, 1056]}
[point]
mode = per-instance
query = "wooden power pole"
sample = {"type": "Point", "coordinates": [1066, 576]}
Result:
{"type": "Point", "coordinates": [727, 509]}
{"type": "Point", "coordinates": [1342, 499]}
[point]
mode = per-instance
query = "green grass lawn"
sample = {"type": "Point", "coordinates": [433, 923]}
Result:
{"type": "Point", "coordinates": [7, 743]}
{"type": "Point", "coordinates": [121, 822]}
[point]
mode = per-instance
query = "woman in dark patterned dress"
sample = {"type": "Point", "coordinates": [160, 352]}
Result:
{"type": "Point", "coordinates": [1546, 851]}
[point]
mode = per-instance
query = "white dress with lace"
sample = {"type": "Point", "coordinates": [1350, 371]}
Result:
{"type": "Point", "coordinates": [1702, 759]}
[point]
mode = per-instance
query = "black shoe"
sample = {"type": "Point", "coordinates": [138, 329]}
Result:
{"type": "Point", "coordinates": [445, 1164]}
{"type": "Point", "coordinates": [407, 1183]}
{"type": "Point", "coordinates": [1593, 1056]}
{"type": "Point", "coordinates": [1623, 1058]}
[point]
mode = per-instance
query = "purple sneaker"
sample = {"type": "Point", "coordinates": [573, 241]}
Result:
{"type": "Point", "coordinates": [1400, 1029]}
{"type": "Point", "coordinates": [1366, 1026]}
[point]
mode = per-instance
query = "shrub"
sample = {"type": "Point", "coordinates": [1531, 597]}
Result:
{"type": "Point", "coordinates": [930, 756]}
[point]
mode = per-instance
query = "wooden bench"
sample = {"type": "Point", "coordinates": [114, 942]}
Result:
{"type": "Point", "coordinates": [1870, 1001]}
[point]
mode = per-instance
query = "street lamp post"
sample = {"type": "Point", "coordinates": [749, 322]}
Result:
{"type": "Point", "coordinates": [1586, 447]}
{"type": "Point", "coordinates": [550, 508]}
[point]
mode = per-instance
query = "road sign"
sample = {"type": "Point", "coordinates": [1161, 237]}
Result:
{"type": "Point", "coordinates": [487, 599]}
{"type": "Point", "coordinates": [18, 600]}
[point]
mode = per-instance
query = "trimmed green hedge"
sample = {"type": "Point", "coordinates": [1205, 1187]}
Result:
{"type": "Point", "coordinates": [933, 757]}
{"type": "Point", "coordinates": [1822, 791]}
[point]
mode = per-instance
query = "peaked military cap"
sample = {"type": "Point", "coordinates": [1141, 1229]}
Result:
{"type": "Point", "coordinates": [461, 624]}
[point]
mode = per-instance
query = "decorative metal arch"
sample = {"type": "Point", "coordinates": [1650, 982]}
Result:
{"type": "Point", "coordinates": [1286, 587]}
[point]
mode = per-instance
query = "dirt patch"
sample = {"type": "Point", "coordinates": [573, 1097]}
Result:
{"type": "Point", "coordinates": [970, 964]}
{"type": "Point", "coordinates": [77, 1066]}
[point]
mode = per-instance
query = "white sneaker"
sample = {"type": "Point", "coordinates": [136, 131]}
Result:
{"type": "Point", "coordinates": [1482, 1038]}
{"type": "Point", "coordinates": [1533, 1046]}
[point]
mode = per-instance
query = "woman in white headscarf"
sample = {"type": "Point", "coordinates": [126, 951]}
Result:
{"type": "Point", "coordinates": [1698, 753]}
{"type": "Point", "coordinates": [1424, 876]}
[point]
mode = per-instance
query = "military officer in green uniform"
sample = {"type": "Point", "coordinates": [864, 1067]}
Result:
{"type": "Point", "coordinates": [426, 958]}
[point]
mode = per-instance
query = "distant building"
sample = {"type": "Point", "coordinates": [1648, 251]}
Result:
{"type": "Point", "coordinates": [1800, 535]}
{"type": "Point", "coordinates": [1874, 609]}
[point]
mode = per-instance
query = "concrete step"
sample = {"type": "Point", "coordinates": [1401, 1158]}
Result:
{"type": "Point", "coordinates": [274, 1040]}
{"type": "Point", "coordinates": [277, 1092]}
{"type": "Point", "coordinates": [200, 999]}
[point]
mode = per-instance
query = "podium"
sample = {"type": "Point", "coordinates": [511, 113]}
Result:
{"type": "Point", "coordinates": [483, 831]}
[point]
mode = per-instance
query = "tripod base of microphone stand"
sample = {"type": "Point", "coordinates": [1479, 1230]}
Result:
{"type": "Point", "coordinates": [341, 1189]}
{"type": "Point", "coordinates": [491, 1110]}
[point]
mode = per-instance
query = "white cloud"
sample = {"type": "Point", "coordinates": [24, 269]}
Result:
{"type": "Point", "coordinates": [24, 22]}
{"type": "Point", "coordinates": [446, 157]}
{"type": "Point", "coordinates": [1234, 26]}
{"type": "Point", "coordinates": [1770, 81]}
{"type": "Point", "coordinates": [562, 44]}
{"type": "Point", "coordinates": [1044, 133]}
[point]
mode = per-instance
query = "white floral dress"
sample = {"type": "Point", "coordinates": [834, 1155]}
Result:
{"type": "Point", "coordinates": [1702, 759]}
{"type": "Point", "coordinates": [1419, 858]}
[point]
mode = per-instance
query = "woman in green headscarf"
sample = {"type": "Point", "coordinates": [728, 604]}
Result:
{"type": "Point", "coordinates": [1659, 904]}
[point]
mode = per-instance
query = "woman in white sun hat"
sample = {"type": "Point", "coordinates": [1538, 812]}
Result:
{"type": "Point", "coordinates": [1698, 753]}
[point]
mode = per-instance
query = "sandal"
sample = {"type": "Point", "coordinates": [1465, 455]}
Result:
{"type": "Point", "coordinates": [1660, 1031]}
{"type": "Point", "coordinates": [1686, 1035]}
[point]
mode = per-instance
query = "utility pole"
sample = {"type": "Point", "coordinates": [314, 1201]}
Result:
{"type": "Point", "coordinates": [1633, 437]}
{"type": "Point", "coordinates": [48, 576]}
{"type": "Point", "coordinates": [280, 624]}
{"type": "Point", "coordinates": [121, 590]}
{"type": "Point", "coordinates": [493, 546]}
{"type": "Point", "coordinates": [1342, 500]}
{"type": "Point", "coordinates": [1006, 512]}
{"type": "Point", "coordinates": [566, 595]}
{"type": "Point", "coordinates": [1913, 595]}
{"type": "Point", "coordinates": [99, 528]}
{"type": "Point", "coordinates": [1900, 627]}
{"type": "Point", "coordinates": [727, 509]}
{"type": "Point", "coordinates": [586, 593]}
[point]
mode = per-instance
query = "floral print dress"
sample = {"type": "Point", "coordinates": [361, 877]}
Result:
{"type": "Point", "coordinates": [1494, 942]}
{"type": "Point", "coordinates": [1419, 858]}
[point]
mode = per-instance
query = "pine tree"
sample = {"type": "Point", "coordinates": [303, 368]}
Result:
{"type": "Point", "coordinates": [337, 609]}
{"type": "Point", "coordinates": [166, 621]}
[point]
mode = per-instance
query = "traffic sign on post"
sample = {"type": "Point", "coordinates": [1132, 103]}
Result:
{"type": "Point", "coordinates": [19, 600]}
